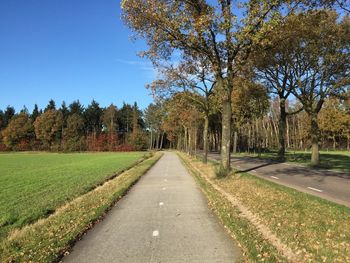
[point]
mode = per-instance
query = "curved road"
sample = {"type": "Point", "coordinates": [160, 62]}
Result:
{"type": "Point", "coordinates": [330, 185]}
{"type": "Point", "coordinates": [164, 218]}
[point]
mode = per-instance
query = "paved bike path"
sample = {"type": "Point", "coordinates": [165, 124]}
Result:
{"type": "Point", "coordinates": [164, 218]}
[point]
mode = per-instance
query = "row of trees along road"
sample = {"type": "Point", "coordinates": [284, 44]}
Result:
{"type": "Point", "coordinates": [208, 51]}
{"type": "Point", "coordinates": [73, 128]}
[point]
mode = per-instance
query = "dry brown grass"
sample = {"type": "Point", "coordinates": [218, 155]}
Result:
{"type": "Point", "coordinates": [314, 229]}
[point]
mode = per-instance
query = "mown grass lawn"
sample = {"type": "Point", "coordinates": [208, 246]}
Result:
{"type": "Point", "coordinates": [33, 185]}
{"type": "Point", "coordinates": [334, 160]}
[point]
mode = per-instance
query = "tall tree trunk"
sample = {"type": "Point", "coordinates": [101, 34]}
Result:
{"type": "Point", "coordinates": [334, 142]}
{"type": "Point", "coordinates": [157, 141]}
{"type": "Point", "coordinates": [185, 140]}
{"type": "Point", "coordinates": [235, 139]}
{"type": "Point", "coordinates": [205, 138]}
{"type": "Point", "coordinates": [226, 131]}
{"type": "Point", "coordinates": [151, 141]}
{"type": "Point", "coordinates": [189, 151]}
{"type": "Point", "coordinates": [288, 133]}
{"type": "Point", "coordinates": [314, 132]}
{"type": "Point", "coordinates": [161, 141]}
{"type": "Point", "coordinates": [282, 131]}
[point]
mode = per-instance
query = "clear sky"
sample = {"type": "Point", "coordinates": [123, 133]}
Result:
{"type": "Point", "coordinates": [69, 50]}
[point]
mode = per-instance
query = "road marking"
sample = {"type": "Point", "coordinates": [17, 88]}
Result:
{"type": "Point", "coordinates": [163, 188]}
{"type": "Point", "coordinates": [155, 233]}
{"type": "Point", "coordinates": [161, 203]}
{"type": "Point", "coordinates": [274, 177]}
{"type": "Point", "coordinates": [315, 189]}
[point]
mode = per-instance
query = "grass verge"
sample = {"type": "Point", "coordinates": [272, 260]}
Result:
{"type": "Point", "coordinates": [316, 230]}
{"type": "Point", "coordinates": [255, 247]}
{"type": "Point", "coordinates": [48, 239]}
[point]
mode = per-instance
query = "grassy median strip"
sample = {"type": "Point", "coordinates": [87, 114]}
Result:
{"type": "Point", "coordinates": [315, 229]}
{"type": "Point", "coordinates": [49, 238]}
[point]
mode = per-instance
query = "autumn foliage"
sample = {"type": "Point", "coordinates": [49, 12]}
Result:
{"type": "Point", "coordinates": [73, 128]}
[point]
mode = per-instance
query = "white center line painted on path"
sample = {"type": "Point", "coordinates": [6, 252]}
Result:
{"type": "Point", "coordinates": [155, 233]}
{"type": "Point", "coordinates": [161, 203]}
{"type": "Point", "coordinates": [274, 177]}
{"type": "Point", "coordinates": [315, 189]}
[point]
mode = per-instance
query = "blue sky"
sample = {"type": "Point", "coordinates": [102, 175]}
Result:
{"type": "Point", "coordinates": [68, 50]}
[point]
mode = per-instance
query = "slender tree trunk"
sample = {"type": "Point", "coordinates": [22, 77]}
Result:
{"type": "Point", "coordinates": [195, 140]}
{"type": "Point", "coordinates": [189, 151]}
{"type": "Point", "coordinates": [161, 141]}
{"type": "Point", "coordinates": [226, 131]}
{"type": "Point", "coordinates": [314, 132]}
{"type": "Point", "coordinates": [185, 140]}
{"type": "Point", "coordinates": [205, 139]}
{"type": "Point", "coordinates": [282, 131]}
{"type": "Point", "coordinates": [151, 141]}
{"type": "Point", "coordinates": [288, 133]}
{"type": "Point", "coordinates": [157, 141]}
{"type": "Point", "coordinates": [235, 139]}
{"type": "Point", "coordinates": [334, 143]}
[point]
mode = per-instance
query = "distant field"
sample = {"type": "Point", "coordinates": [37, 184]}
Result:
{"type": "Point", "coordinates": [335, 160]}
{"type": "Point", "coordinates": [33, 185]}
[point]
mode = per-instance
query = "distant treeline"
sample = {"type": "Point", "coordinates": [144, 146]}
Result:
{"type": "Point", "coordinates": [73, 128]}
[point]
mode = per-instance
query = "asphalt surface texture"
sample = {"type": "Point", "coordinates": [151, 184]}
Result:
{"type": "Point", "coordinates": [330, 185]}
{"type": "Point", "coordinates": [163, 218]}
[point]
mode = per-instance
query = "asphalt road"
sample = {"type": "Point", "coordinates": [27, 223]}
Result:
{"type": "Point", "coordinates": [164, 218]}
{"type": "Point", "coordinates": [330, 185]}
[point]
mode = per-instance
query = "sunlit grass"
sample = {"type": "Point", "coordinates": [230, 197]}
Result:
{"type": "Point", "coordinates": [33, 185]}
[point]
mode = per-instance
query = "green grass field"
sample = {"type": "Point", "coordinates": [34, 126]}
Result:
{"type": "Point", "coordinates": [334, 160]}
{"type": "Point", "coordinates": [33, 185]}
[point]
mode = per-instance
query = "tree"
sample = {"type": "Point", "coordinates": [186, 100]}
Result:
{"type": "Point", "coordinates": [125, 119]}
{"type": "Point", "coordinates": [154, 118]}
{"type": "Point", "coordinates": [50, 106]}
{"type": "Point", "coordinates": [182, 129]}
{"type": "Point", "coordinates": [48, 128]}
{"type": "Point", "coordinates": [65, 111]}
{"type": "Point", "coordinates": [76, 108]}
{"type": "Point", "coordinates": [73, 134]}
{"type": "Point", "coordinates": [8, 114]}
{"type": "Point", "coordinates": [93, 117]}
{"type": "Point", "coordinates": [211, 31]}
{"type": "Point", "coordinates": [36, 113]}
{"type": "Point", "coordinates": [195, 78]}
{"type": "Point", "coordinates": [20, 130]}
{"type": "Point", "coordinates": [110, 125]}
{"type": "Point", "coordinates": [249, 102]}
{"type": "Point", "coordinates": [2, 120]}
{"type": "Point", "coordinates": [321, 63]}
{"type": "Point", "coordinates": [272, 67]}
